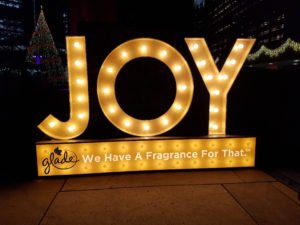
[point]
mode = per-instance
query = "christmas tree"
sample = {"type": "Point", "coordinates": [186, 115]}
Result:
{"type": "Point", "coordinates": [42, 56]}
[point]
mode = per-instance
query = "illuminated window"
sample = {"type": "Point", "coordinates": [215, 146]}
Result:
{"type": "Point", "coordinates": [11, 3]}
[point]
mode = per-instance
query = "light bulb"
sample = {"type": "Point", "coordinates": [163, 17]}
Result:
{"type": "Point", "coordinates": [216, 92]}
{"type": "Point", "coordinates": [124, 54]}
{"type": "Point", "coordinates": [201, 63]}
{"type": "Point", "coordinates": [144, 48]}
{"type": "Point", "coordinates": [178, 106]}
{"type": "Point", "coordinates": [195, 46]}
{"type": "Point", "coordinates": [80, 81]}
{"type": "Point", "coordinates": [81, 115]}
{"type": "Point", "coordinates": [223, 77]}
{"type": "Point", "coordinates": [77, 45]}
{"type": "Point", "coordinates": [112, 109]}
{"type": "Point", "coordinates": [177, 68]}
{"type": "Point", "coordinates": [232, 62]}
{"type": "Point", "coordinates": [110, 70]}
{"type": "Point", "coordinates": [71, 128]}
{"type": "Point", "coordinates": [165, 121]}
{"type": "Point", "coordinates": [240, 46]}
{"type": "Point", "coordinates": [80, 98]}
{"type": "Point", "coordinates": [146, 127]}
{"type": "Point", "coordinates": [182, 87]}
{"type": "Point", "coordinates": [52, 124]}
{"type": "Point", "coordinates": [208, 77]}
{"type": "Point", "coordinates": [106, 91]}
{"type": "Point", "coordinates": [127, 123]}
{"type": "Point", "coordinates": [214, 126]}
{"type": "Point", "coordinates": [77, 63]}
{"type": "Point", "coordinates": [214, 109]}
{"type": "Point", "coordinates": [163, 53]}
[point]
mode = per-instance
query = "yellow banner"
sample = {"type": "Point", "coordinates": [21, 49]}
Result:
{"type": "Point", "coordinates": [143, 154]}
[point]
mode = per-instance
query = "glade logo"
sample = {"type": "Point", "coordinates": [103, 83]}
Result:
{"type": "Point", "coordinates": [60, 159]}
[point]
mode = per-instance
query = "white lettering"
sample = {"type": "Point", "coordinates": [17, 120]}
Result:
{"type": "Point", "coordinates": [210, 154]}
{"type": "Point", "coordinates": [233, 153]}
{"type": "Point", "coordinates": [138, 156]}
{"type": "Point", "coordinates": [108, 157]}
{"type": "Point", "coordinates": [87, 158]}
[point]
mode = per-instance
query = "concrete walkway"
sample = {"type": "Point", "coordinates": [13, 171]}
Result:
{"type": "Point", "coordinates": [233, 197]}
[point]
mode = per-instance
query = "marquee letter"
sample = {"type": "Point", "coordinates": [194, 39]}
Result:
{"type": "Point", "coordinates": [78, 90]}
{"type": "Point", "coordinates": [218, 83]}
{"type": "Point", "coordinates": [144, 47]}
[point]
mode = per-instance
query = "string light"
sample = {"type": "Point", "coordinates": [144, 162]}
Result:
{"type": "Point", "coordinates": [274, 53]}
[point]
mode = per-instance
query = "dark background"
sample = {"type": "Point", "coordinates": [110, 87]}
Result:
{"type": "Point", "coordinates": [263, 102]}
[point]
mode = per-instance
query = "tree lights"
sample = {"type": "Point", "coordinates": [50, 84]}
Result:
{"type": "Point", "coordinates": [273, 53]}
{"type": "Point", "coordinates": [42, 55]}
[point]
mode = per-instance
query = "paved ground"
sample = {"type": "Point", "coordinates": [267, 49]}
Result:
{"type": "Point", "coordinates": [234, 197]}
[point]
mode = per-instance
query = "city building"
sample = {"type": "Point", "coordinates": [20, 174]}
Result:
{"type": "Point", "coordinates": [270, 22]}
{"type": "Point", "coordinates": [12, 33]}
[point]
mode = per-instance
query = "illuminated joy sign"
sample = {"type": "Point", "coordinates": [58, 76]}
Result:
{"type": "Point", "coordinates": [80, 157]}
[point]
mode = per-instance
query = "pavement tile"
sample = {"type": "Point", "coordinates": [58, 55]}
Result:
{"type": "Point", "coordinates": [287, 191]}
{"type": "Point", "coordinates": [265, 203]}
{"type": "Point", "coordinates": [167, 205]}
{"type": "Point", "coordinates": [103, 181]}
{"type": "Point", "coordinates": [292, 174]}
{"type": "Point", "coordinates": [26, 203]}
{"type": "Point", "coordinates": [253, 175]}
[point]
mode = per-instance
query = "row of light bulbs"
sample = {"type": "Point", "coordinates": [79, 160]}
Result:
{"type": "Point", "coordinates": [144, 48]}
{"type": "Point", "coordinates": [167, 54]}
{"type": "Point", "coordinates": [217, 83]}
{"type": "Point", "coordinates": [79, 104]}
{"type": "Point", "coordinates": [185, 147]}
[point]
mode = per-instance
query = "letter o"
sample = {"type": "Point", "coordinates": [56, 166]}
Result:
{"type": "Point", "coordinates": [144, 47]}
